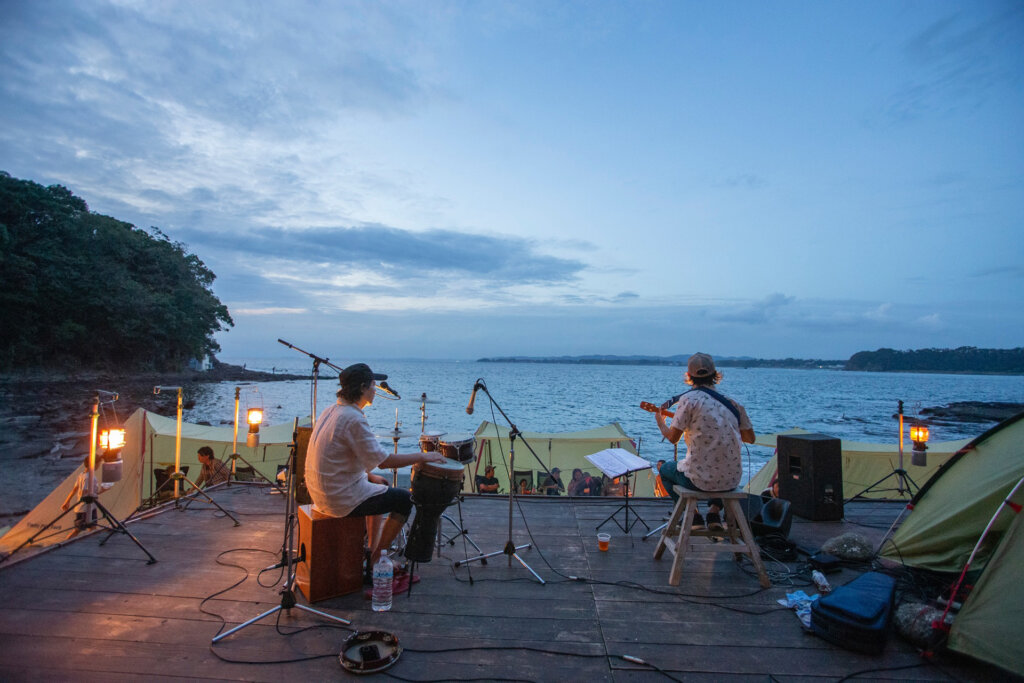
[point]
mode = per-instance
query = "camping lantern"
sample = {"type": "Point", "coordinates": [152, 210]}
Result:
{"type": "Point", "coordinates": [919, 435]}
{"type": "Point", "coordinates": [112, 439]}
{"type": "Point", "coordinates": [254, 416]}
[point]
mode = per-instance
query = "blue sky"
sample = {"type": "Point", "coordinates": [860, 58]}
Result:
{"type": "Point", "coordinates": [467, 179]}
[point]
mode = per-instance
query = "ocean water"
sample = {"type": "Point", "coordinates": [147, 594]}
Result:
{"type": "Point", "coordinates": [536, 397]}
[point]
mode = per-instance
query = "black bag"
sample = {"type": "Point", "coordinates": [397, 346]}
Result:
{"type": "Point", "coordinates": [856, 616]}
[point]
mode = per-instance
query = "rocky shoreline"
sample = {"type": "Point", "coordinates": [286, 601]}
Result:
{"type": "Point", "coordinates": [44, 421]}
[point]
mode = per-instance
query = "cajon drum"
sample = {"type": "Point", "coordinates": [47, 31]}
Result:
{"type": "Point", "coordinates": [333, 552]}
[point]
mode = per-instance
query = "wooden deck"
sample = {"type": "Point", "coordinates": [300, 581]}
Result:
{"type": "Point", "coordinates": [87, 612]}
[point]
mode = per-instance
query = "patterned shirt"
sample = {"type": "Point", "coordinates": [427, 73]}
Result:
{"type": "Point", "coordinates": [714, 460]}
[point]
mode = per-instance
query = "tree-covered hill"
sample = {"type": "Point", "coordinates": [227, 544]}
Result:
{"type": "Point", "coordinates": [85, 290]}
{"type": "Point", "coordinates": [963, 359]}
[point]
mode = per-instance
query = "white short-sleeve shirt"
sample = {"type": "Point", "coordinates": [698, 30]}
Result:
{"type": "Point", "coordinates": [342, 450]}
{"type": "Point", "coordinates": [714, 459]}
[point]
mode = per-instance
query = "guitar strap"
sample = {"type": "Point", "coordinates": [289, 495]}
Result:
{"type": "Point", "coordinates": [715, 395]}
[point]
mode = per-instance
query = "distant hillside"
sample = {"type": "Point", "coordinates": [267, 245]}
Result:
{"type": "Point", "coordinates": [966, 359]}
{"type": "Point", "coordinates": [677, 360]}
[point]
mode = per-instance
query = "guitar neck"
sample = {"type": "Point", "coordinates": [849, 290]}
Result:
{"type": "Point", "coordinates": [651, 408]}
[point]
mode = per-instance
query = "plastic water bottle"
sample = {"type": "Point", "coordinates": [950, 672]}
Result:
{"type": "Point", "coordinates": [383, 574]}
{"type": "Point", "coordinates": [821, 582]}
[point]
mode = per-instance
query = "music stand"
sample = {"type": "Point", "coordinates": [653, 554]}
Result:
{"type": "Point", "coordinates": [618, 462]}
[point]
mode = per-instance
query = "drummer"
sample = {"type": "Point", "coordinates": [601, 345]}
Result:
{"type": "Point", "coordinates": [342, 454]}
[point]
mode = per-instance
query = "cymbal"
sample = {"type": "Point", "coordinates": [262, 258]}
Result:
{"type": "Point", "coordinates": [427, 400]}
{"type": "Point", "coordinates": [395, 435]}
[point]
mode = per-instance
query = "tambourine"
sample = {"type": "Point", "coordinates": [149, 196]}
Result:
{"type": "Point", "coordinates": [367, 652]}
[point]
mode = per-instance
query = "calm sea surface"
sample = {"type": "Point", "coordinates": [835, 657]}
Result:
{"type": "Point", "coordinates": [537, 397]}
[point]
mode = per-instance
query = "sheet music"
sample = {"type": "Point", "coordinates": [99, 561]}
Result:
{"type": "Point", "coordinates": [614, 462]}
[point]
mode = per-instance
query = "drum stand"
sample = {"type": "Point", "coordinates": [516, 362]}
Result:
{"type": "Point", "coordinates": [510, 549]}
{"type": "Point", "coordinates": [288, 560]}
{"type": "Point", "coordinates": [462, 531]}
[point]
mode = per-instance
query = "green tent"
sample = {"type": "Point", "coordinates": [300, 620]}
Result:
{"type": "Point", "coordinates": [986, 627]}
{"type": "Point", "coordinates": [952, 508]}
{"type": "Point", "coordinates": [949, 518]}
{"type": "Point", "coordinates": [150, 444]}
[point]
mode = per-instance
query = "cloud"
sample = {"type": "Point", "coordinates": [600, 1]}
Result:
{"type": "Point", "coordinates": [959, 62]}
{"type": "Point", "coordinates": [397, 253]}
{"type": "Point", "coordinates": [1013, 272]}
{"type": "Point", "coordinates": [268, 311]}
{"type": "Point", "coordinates": [754, 313]}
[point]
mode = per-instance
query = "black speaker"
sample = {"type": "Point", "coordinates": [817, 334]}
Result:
{"type": "Point", "coordinates": [811, 475]}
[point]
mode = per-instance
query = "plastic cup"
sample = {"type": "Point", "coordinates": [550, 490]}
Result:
{"type": "Point", "coordinates": [602, 541]}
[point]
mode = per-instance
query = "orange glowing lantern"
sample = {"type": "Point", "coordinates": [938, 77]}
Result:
{"type": "Point", "coordinates": [254, 416]}
{"type": "Point", "coordinates": [919, 435]}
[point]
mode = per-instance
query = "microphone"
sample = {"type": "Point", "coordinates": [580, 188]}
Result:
{"type": "Point", "coordinates": [472, 397]}
{"type": "Point", "coordinates": [383, 386]}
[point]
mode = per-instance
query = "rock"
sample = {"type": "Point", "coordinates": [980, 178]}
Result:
{"type": "Point", "coordinates": [915, 622]}
{"type": "Point", "coordinates": [851, 546]}
{"type": "Point", "coordinates": [974, 411]}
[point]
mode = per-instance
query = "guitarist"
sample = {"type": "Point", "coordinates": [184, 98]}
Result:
{"type": "Point", "coordinates": [713, 426]}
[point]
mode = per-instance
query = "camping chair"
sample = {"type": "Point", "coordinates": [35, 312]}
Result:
{"type": "Point", "coordinates": [519, 475]}
{"type": "Point", "coordinates": [476, 486]}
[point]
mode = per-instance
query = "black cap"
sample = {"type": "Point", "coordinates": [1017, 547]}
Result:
{"type": "Point", "coordinates": [359, 374]}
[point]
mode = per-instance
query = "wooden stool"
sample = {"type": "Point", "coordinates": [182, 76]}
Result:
{"type": "Point", "coordinates": [676, 536]}
{"type": "Point", "coordinates": [333, 551]}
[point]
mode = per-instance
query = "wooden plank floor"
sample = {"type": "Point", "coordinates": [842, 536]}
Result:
{"type": "Point", "coordinates": [101, 613]}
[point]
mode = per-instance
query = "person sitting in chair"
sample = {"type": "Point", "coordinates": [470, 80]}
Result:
{"type": "Point", "coordinates": [659, 485]}
{"type": "Point", "coordinates": [214, 471]}
{"type": "Point", "coordinates": [577, 483]}
{"type": "Point", "coordinates": [487, 483]}
{"type": "Point", "coordinates": [714, 427]}
{"type": "Point", "coordinates": [553, 483]}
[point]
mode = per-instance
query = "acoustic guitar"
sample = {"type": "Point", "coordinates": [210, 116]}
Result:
{"type": "Point", "coordinates": [651, 408]}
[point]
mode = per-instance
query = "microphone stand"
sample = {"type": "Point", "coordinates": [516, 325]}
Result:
{"type": "Point", "coordinates": [510, 549]}
{"type": "Point", "coordinates": [288, 559]}
{"type": "Point", "coordinates": [317, 362]}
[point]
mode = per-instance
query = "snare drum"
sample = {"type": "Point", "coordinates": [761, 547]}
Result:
{"type": "Point", "coordinates": [428, 441]}
{"type": "Point", "coordinates": [435, 486]}
{"type": "Point", "coordinates": [458, 447]}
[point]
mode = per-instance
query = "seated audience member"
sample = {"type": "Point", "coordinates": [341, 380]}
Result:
{"type": "Point", "coordinates": [214, 471]}
{"type": "Point", "coordinates": [612, 487]}
{"type": "Point", "coordinates": [553, 483]}
{"type": "Point", "coordinates": [577, 483]}
{"type": "Point", "coordinates": [659, 485]}
{"type": "Point", "coordinates": [487, 483]}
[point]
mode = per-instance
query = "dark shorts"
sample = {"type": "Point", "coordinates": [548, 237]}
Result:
{"type": "Point", "coordinates": [392, 500]}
